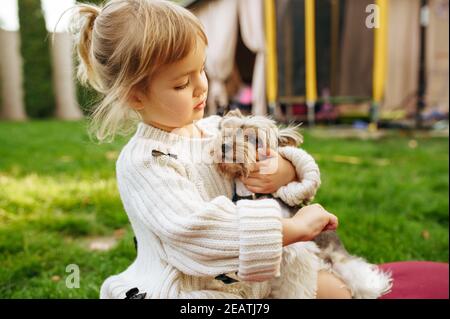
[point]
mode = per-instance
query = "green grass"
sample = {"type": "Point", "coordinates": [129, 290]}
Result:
{"type": "Point", "coordinates": [57, 189]}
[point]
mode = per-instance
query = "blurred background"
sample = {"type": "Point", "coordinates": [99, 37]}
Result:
{"type": "Point", "coordinates": [368, 78]}
{"type": "Point", "coordinates": [374, 61]}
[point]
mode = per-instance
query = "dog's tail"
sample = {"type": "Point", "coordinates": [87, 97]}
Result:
{"type": "Point", "coordinates": [365, 280]}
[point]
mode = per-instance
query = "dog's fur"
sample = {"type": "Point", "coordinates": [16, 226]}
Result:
{"type": "Point", "coordinates": [238, 142]}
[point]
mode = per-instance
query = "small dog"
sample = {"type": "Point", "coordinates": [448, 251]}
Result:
{"type": "Point", "coordinates": [238, 144]}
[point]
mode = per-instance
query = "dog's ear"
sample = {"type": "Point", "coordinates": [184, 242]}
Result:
{"type": "Point", "coordinates": [290, 136]}
{"type": "Point", "coordinates": [235, 112]}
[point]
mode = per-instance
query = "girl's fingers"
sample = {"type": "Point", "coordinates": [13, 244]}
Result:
{"type": "Point", "coordinates": [253, 175]}
{"type": "Point", "coordinates": [257, 175]}
{"type": "Point", "coordinates": [251, 181]}
{"type": "Point", "coordinates": [255, 182]}
{"type": "Point", "coordinates": [265, 163]}
{"type": "Point", "coordinates": [256, 189]}
{"type": "Point", "coordinates": [255, 167]}
{"type": "Point", "coordinates": [333, 223]}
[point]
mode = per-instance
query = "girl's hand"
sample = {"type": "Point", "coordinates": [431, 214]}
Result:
{"type": "Point", "coordinates": [268, 175]}
{"type": "Point", "coordinates": [311, 220]}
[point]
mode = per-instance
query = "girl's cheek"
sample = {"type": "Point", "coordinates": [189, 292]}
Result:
{"type": "Point", "coordinates": [184, 98]}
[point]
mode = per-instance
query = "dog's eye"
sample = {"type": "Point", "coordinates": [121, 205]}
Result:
{"type": "Point", "coordinates": [255, 141]}
{"type": "Point", "coordinates": [260, 142]}
{"type": "Point", "coordinates": [225, 148]}
{"type": "Point", "coordinates": [252, 139]}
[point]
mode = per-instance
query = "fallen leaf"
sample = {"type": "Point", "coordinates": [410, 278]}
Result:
{"type": "Point", "coordinates": [86, 200]}
{"type": "Point", "coordinates": [101, 243]}
{"type": "Point", "coordinates": [111, 155]}
{"type": "Point", "coordinates": [119, 233]}
{"type": "Point", "coordinates": [347, 159]}
{"type": "Point", "coordinates": [413, 144]}
{"type": "Point", "coordinates": [382, 162]}
{"type": "Point", "coordinates": [65, 158]}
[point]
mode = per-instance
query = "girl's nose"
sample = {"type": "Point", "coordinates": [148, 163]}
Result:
{"type": "Point", "coordinates": [201, 86]}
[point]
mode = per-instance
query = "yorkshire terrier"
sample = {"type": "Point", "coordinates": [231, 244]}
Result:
{"type": "Point", "coordinates": [236, 151]}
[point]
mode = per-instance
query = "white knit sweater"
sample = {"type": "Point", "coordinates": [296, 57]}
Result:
{"type": "Point", "coordinates": [189, 231]}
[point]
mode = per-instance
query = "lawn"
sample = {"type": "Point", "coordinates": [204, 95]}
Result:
{"type": "Point", "coordinates": [58, 197]}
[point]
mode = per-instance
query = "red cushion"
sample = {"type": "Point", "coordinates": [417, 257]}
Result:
{"type": "Point", "coordinates": [418, 280]}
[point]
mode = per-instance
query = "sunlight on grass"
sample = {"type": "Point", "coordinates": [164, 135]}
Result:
{"type": "Point", "coordinates": [34, 195]}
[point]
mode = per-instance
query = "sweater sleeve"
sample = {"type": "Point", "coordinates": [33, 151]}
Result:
{"type": "Point", "coordinates": [204, 238]}
{"type": "Point", "coordinates": [304, 189]}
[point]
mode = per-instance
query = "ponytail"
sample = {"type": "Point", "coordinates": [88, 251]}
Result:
{"type": "Point", "coordinates": [87, 14]}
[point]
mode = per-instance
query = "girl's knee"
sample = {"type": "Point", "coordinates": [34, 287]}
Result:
{"type": "Point", "coordinates": [331, 287]}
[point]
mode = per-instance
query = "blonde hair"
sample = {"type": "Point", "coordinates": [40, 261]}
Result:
{"type": "Point", "coordinates": [120, 45]}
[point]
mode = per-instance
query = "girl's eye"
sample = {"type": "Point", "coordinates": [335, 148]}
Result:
{"type": "Point", "coordinates": [182, 87]}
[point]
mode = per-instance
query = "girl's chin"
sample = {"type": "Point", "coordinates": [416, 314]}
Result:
{"type": "Point", "coordinates": [198, 114]}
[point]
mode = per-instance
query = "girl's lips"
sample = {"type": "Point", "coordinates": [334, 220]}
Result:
{"type": "Point", "coordinates": [200, 106]}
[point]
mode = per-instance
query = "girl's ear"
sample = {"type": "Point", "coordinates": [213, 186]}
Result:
{"type": "Point", "coordinates": [290, 136]}
{"type": "Point", "coordinates": [136, 100]}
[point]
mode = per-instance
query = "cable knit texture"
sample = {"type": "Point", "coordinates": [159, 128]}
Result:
{"type": "Point", "coordinates": [187, 228]}
{"type": "Point", "coordinates": [304, 190]}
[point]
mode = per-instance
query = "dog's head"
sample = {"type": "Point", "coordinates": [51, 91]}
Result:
{"type": "Point", "coordinates": [236, 148]}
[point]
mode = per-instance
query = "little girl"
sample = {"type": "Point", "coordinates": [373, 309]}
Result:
{"type": "Point", "coordinates": [147, 59]}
